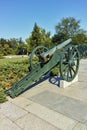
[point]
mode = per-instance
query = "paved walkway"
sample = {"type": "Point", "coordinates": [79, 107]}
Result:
{"type": "Point", "coordinates": [48, 107]}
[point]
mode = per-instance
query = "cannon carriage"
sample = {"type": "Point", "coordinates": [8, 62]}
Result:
{"type": "Point", "coordinates": [43, 60]}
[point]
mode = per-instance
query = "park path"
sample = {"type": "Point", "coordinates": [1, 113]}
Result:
{"type": "Point", "coordinates": [48, 107]}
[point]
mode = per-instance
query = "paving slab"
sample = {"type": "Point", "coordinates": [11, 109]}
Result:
{"type": "Point", "coordinates": [83, 66]}
{"type": "Point", "coordinates": [77, 90]}
{"type": "Point", "coordinates": [86, 123]}
{"type": "Point", "coordinates": [21, 101]}
{"type": "Point", "coordinates": [31, 122]}
{"type": "Point", "coordinates": [6, 124]}
{"type": "Point", "coordinates": [70, 107]}
{"type": "Point", "coordinates": [35, 90]}
{"type": "Point", "coordinates": [80, 126]}
{"type": "Point", "coordinates": [12, 111]}
{"type": "Point", "coordinates": [82, 76]}
{"type": "Point", "coordinates": [56, 119]}
{"type": "Point", "coordinates": [1, 116]}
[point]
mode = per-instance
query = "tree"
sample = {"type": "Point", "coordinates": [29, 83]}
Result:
{"type": "Point", "coordinates": [68, 27]}
{"type": "Point", "coordinates": [21, 48]}
{"type": "Point", "coordinates": [38, 37]}
{"type": "Point", "coordinates": [3, 42]}
{"type": "Point", "coordinates": [12, 46]}
{"type": "Point", "coordinates": [1, 51]}
{"type": "Point", "coordinates": [4, 47]}
{"type": "Point", "coordinates": [13, 43]}
{"type": "Point", "coordinates": [45, 38]}
{"type": "Point", "coordinates": [35, 38]}
{"type": "Point", "coordinates": [80, 39]}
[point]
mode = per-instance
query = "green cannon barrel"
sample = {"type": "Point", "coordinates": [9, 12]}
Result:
{"type": "Point", "coordinates": [51, 51]}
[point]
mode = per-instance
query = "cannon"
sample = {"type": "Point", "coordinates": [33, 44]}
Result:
{"type": "Point", "coordinates": [42, 60]}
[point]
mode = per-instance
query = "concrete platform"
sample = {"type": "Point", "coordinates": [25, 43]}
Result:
{"type": "Point", "coordinates": [48, 107]}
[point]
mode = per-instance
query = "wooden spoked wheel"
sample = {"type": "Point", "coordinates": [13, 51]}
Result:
{"type": "Point", "coordinates": [69, 63]}
{"type": "Point", "coordinates": [35, 57]}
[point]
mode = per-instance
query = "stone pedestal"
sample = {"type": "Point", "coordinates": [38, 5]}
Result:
{"type": "Point", "coordinates": [64, 84]}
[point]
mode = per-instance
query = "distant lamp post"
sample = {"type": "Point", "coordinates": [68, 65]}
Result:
{"type": "Point", "coordinates": [23, 52]}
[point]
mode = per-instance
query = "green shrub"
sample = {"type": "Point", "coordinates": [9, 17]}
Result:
{"type": "Point", "coordinates": [11, 72]}
{"type": "Point", "coordinates": [2, 96]}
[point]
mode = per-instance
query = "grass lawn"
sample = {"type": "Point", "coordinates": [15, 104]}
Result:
{"type": "Point", "coordinates": [11, 60]}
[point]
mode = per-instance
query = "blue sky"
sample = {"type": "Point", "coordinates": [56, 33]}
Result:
{"type": "Point", "coordinates": [17, 17]}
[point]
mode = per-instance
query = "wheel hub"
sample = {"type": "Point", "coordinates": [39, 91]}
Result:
{"type": "Point", "coordinates": [71, 63]}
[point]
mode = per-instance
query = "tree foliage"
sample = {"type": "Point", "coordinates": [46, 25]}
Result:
{"type": "Point", "coordinates": [80, 39]}
{"type": "Point", "coordinates": [12, 46]}
{"type": "Point", "coordinates": [69, 27]}
{"type": "Point", "coordinates": [38, 37]}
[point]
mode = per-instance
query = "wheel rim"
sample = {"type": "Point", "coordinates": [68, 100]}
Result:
{"type": "Point", "coordinates": [69, 63]}
{"type": "Point", "coordinates": [35, 57]}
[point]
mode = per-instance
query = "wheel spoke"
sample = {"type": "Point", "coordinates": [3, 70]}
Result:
{"type": "Point", "coordinates": [73, 70]}
{"type": "Point", "coordinates": [64, 67]}
{"type": "Point", "coordinates": [71, 53]}
{"type": "Point", "coordinates": [70, 72]}
{"type": "Point", "coordinates": [67, 73]}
